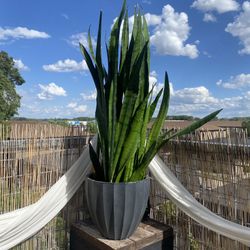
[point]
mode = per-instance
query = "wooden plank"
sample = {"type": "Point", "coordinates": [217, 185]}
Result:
{"type": "Point", "coordinates": [161, 231]}
{"type": "Point", "coordinates": [149, 233]}
{"type": "Point", "coordinates": [141, 237]}
{"type": "Point", "coordinates": [91, 234]}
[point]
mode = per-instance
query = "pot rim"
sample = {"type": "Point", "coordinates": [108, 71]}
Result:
{"type": "Point", "coordinates": [147, 178]}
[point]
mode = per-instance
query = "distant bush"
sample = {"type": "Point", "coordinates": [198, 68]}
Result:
{"type": "Point", "coordinates": [92, 127]}
{"type": "Point", "coordinates": [5, 130]}
{"type": "Point", "coordinates": [246, 125]}
{"type": "Point", "coordinates": [181, 117]}
{"type": "Point", "coordinates": [60, 122]}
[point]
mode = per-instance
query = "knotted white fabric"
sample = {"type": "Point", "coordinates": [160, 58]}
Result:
{"type": "Point", "coordinates": [180, 196]}
{"type": "Point", "coordinates": [21, 224]}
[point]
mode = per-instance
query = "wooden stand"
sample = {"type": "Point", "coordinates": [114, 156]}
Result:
{"type": "Point", "coordinates": [150, 235]}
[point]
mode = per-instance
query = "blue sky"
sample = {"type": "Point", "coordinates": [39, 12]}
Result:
{"type": "Point", "coordinates": [203, 44]}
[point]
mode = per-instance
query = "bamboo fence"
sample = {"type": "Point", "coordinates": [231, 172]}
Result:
{"type": "Point", "coordinates": [213, 166]}
{"type": "Point", "coordinates": [33, 156]}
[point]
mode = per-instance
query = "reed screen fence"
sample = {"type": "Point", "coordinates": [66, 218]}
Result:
{"type": "Point", "coordinates": [33, 156]}
{"type": "Point", "coordinates": [213, 165]}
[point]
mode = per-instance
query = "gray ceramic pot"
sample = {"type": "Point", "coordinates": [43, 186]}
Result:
{"type": "Point", "coordinates": [117, 208]}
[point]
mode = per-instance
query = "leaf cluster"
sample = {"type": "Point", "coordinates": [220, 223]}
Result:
{"type": "Point", "coordinates": [125, 103]}
{"type": "Point", "coordinates": [246, 125]}
{"type": "Point", "coordinates": [9, 78]}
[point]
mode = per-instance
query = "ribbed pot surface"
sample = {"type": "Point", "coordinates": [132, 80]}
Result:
{"type": "Point", "coordinates": [117, 208]}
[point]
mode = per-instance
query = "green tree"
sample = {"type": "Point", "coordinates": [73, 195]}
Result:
{"type": "Point", "coordinates": [246, 125]}
{"type": "Point", "coordinates": [181, 117]}
{"type": "Point", "coordinates": [9, 78]}
{"type": "Point", "coordinates": [92, 127]}
{"type": "Point", "coordinates": [61, 122]}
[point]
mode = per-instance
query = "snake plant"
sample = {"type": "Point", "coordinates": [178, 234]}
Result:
{"type": "Point", "coordinates": [125, 104]}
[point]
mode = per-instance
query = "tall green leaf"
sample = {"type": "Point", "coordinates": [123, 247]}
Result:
{"type": "Point", "coordinates": [133, 138]}
{"type": "Point", "coordinates": [125, 40]}
{"type": "Point", "coordinates": [122, 128]}
{"type": "Point", "coordinates": [154, 103]}
{"type": "Point", "coordinates": [138, 43]}
{"type": "Point", "coordinates": [91, 45]}
{"type": "Point", "coordinates": [123, 53]}
{"type": "Point", "coordinates": [140, 171]}
{"type": "Point", "coordinates": [124, 73]}
{"type": "Point", "coordinates": [142, 147]}
{"type": "Point", "coordinates": [91, 67]}
{"type": "Point", "coordinates": [128, 170]}
{"type": "Point", "coordinates": [195, 125]}
{"type": "Point", "coordinates": [146, 38]}
{"type": "Point", "coordinates": [134, 80]}
{"type": "Point", "coordinates": [99, 174]}
{"type": "Point", "coordinates": [98, 44]}
{"type": "Point", "coordinates": [112, 122]}
{"type": "Point", "coordinates": [156, 128]}
{"type": "Point", "coordinates": [114, 44]}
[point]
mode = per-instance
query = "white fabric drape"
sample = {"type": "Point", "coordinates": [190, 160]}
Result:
{"type": "Point", "coordinates": [188, 204]}
{"type": "Point", "coordinates": [21, 224]}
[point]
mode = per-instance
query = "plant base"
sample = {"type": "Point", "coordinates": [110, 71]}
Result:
{"type": "Point", "coordinates": [117, 208]}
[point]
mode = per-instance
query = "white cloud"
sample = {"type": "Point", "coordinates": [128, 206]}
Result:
{"type": "Point", "coordinates": [20, 65]}
{"type": "Point", "coordinates": [50, 90]}
{"type": "Point", "coordinates": [36, 111]}
{"type": "Point", "coordinates": [171, 32]}
{"type": "Point", "coordinates": [205, 53]}
{"type": "Point", "coordinates": [153, 73]}
{"type": "Point", "coordinates": [247, 95]}
{"type": "Point", "coordinates": [89, 97]}
{"type": "Point", "coordinates": [241, 28]}
{"type": "Point", "coordinates": [236, 82]}
{"type": "Point", "coordinates": [152, 19]}
{"type": "Point", "coordinates": [209, 17]}
{"type": "Point", "coordinates": [197, 95]}
{"type": "Point", "coordinates": [65, 16]}
{"type": "Point", "coordinates": [158, 86]}
{"type": "Point", "coordinates": [33, 107]}
{"type": "Point", "coordinates": [146, 1]}
{"type": "Point", "coordinates": [154, 82]}
{"type": "Point", "coordinates": [130, 25]}
{"type": "Point", "coordinates": [197, 101]}
{"type": "Point", "coordinates": [221, 6]}
{"type": "Point", "coordinates": [80, 108]}
{"type": "Point", "coordinates": [152, 79]}
{"type": "Point", "coordinates": [51, 110]}
{"type": "Point", "coordinates": [81, 38]}
{"type": "Point", "coordinates": [30, 109]}
{"type": "Point", "coordinates": [75, 108]}
{"type": "Point", "coordinates": [21, 33]}
{"type": "Point", "coordinates": [72, 105]}
{"type": "Point", "coordinates": [67, 65]}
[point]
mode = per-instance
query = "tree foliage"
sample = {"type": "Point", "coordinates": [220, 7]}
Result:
{"type": "Point", "coordinates": [60, 122]}
{"type": "Point", "coordinates": [181, 117]}
{"type": "Point", "coordinates": [246, 125]}
{"type": "Point", "coordinates": [92, 127]}
{"type": "Point", "coordinates": [9, 78]}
